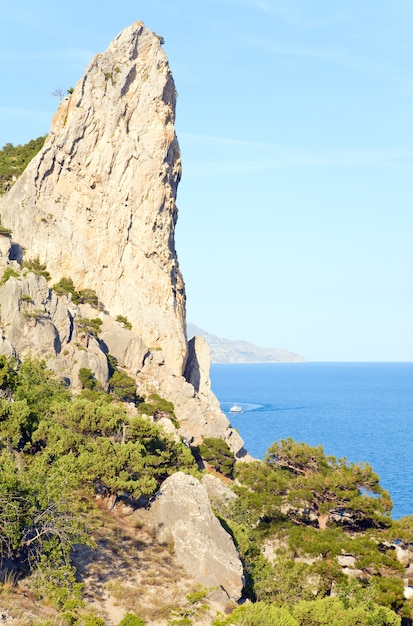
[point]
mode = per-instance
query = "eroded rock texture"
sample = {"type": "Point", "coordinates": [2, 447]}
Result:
{"type": "Point", "coordinates": [182, 512]}
{"type": "Point", "coordinates": [98, 202]}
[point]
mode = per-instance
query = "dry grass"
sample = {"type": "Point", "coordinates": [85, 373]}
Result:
{"type": "Point", "coordinates": [19, 607]}
{"type": "Point", "coordinates": [127, 570]}
{"type": "Point", "coordinates": [130, 571]}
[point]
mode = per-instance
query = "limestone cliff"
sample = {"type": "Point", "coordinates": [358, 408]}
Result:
{"type": "Point", "coordinates": [98, 202]}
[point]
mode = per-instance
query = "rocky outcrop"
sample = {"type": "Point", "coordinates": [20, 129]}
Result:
{"type": "Point", "coordinates": [199, 413]}
{"type": "Point", "coordinates": [182, 513]}
{"type": "Point", "coordinates": [98, 202]}
{"type": "Point", "coordinates": [97, 205]}
{"type": "Point", "coordinates": [198, 365]}
{"type": "Point", "coordinates": [34, 320]}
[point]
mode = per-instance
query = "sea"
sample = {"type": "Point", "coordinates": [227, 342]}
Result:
{"type": "Point", "coordinates": [360, 411]}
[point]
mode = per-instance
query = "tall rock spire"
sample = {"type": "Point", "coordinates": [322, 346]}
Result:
{"type": "Point", "coordinates": [97, 204]}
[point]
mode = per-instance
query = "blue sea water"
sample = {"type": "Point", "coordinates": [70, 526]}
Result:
{"type": "Point", "coordinates": [361, 411]}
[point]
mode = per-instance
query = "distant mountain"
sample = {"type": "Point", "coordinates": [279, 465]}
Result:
{"type": "Point", "coordinates": [228, 351]}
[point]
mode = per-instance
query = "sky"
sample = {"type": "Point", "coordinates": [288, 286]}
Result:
{"type": "Point", "coordinates": [295, 123]}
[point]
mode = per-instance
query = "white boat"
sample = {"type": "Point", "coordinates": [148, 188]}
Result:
{"type": "Point", "coordinates": [235, 409]}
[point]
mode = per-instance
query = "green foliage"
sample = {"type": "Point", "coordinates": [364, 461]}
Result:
{"type": "Point", "coordinates": [283, 583]}
{"type": "Point", "coordinates": [193, 610]}
{"type": "Point", "coordinates": [122, 387]}
{"type": "Point", "coordinates": [334, 612]}
{"type": "Point", "coordinates": [66, 286]}
{"type": "Point", "coordinates": [9, 272]}
{"type": "Point", "coordinates": [285, 500]}
{"type": "Point", "coordinates": [38, 268]}
{"type": "Point", "coordinates": [258, 614]}
{"type": "Point", "coordinates": [124, 320]}
{"type": "Point", "coordinates": [88, 380]}
{"type": "Point", "coordinates": [54, 446]}
{"type": "Point", "coordinates": [55, 580]}
{"type": "Point", "coordinates": [93, 620]}
{"type": "Point", "coordinates": [14, 159]}
{"type": "Point", "coordinates": [112, 453]}
{"type": "Point", "coordinates": [131, 620]}
{"type": "Point", "coordinates": [16, 423]}
{"type": "Point", "coordinates": [389, 591]}
{"type": "Point", "coordinates": [92, 327]}
{"type": "Point", "coordinates": [218, 454]}
{"type": "Point", "coordinates": [34, 388]}
{"type": "Point", "coordinates": [39, 513]}
{"type": "Point", "coordinates": [156, 406]}
{"type": "Point", "coordinates": [112, 364]}
{"type": "Point", "coordinates": [89, 296]}
{"type": "Point", "coordinates": [39, 386]}
{"type": "Point", "coordinates": [8, 374]}
{"type": "Point", "coordinates": [321, 489]}
{"type": "Point", "coordinates": [6, 232]}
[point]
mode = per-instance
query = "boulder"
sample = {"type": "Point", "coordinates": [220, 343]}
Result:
{"type": "Point", "coordinates": [182, 512]}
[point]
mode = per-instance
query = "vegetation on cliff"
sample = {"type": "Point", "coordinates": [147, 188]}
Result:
{"type": "Point", "coordinates": [316, 538]}
{"type": "Point", "coordinates": [56, 453]}
{"type": "Point", "coordinates": [296, 514]}
{"type": "Point", "coordinates": [314, 532]}
{"type": "Point", "coordinates": [14, 160]}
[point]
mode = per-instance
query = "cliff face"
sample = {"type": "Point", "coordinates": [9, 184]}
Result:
{"type": "Point", "coordinates": [97, 204]}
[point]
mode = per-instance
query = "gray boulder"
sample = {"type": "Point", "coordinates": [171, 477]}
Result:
{"type": "Point", "coordinates": [182, 512]}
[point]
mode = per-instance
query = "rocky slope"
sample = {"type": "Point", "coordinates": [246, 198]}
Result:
{"type": "Point", "coordinates": [236, 351]}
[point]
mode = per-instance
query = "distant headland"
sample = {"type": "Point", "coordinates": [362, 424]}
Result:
{"type": "Point", "coordinates": [237, 351]}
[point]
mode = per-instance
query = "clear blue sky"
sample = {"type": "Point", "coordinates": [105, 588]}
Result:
{"type": "Point", "coordinates": [295, 121]}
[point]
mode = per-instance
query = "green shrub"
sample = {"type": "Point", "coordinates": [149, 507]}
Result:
{"type": "Point", "coordinates": [14, 159]}
{"type": "Point", "coordinates": [92, 327]}
{"type": "Point", "coordinates": [217, 453]}
{"type": "Point", "coordinates": [64, 287]}
{"type": "Point", "coordinates": [122, 386]}
{"type": "Point", "coordinates": [89, 296]}
{"type": "Point", "coordinates": [157, 407]}
{"type": "Point", "coordinates": [9, 272]}
{"type": "Point", "coordinates": [34, 265]}
{"type": "Point", "coordinates": [259, 614]}
{"type": "Point", "coordinates": [124, 320]}
{"type": "Point", "coordinates": [88, 380]}
{"type": "Point", "coordinates": [92, 620]}
{"type": "Point", "coordinates": [333, 612]}
{"type": "Point", "coordinates": [131, 620]}
{"type": "Point", "coordinates": [6, 232]}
